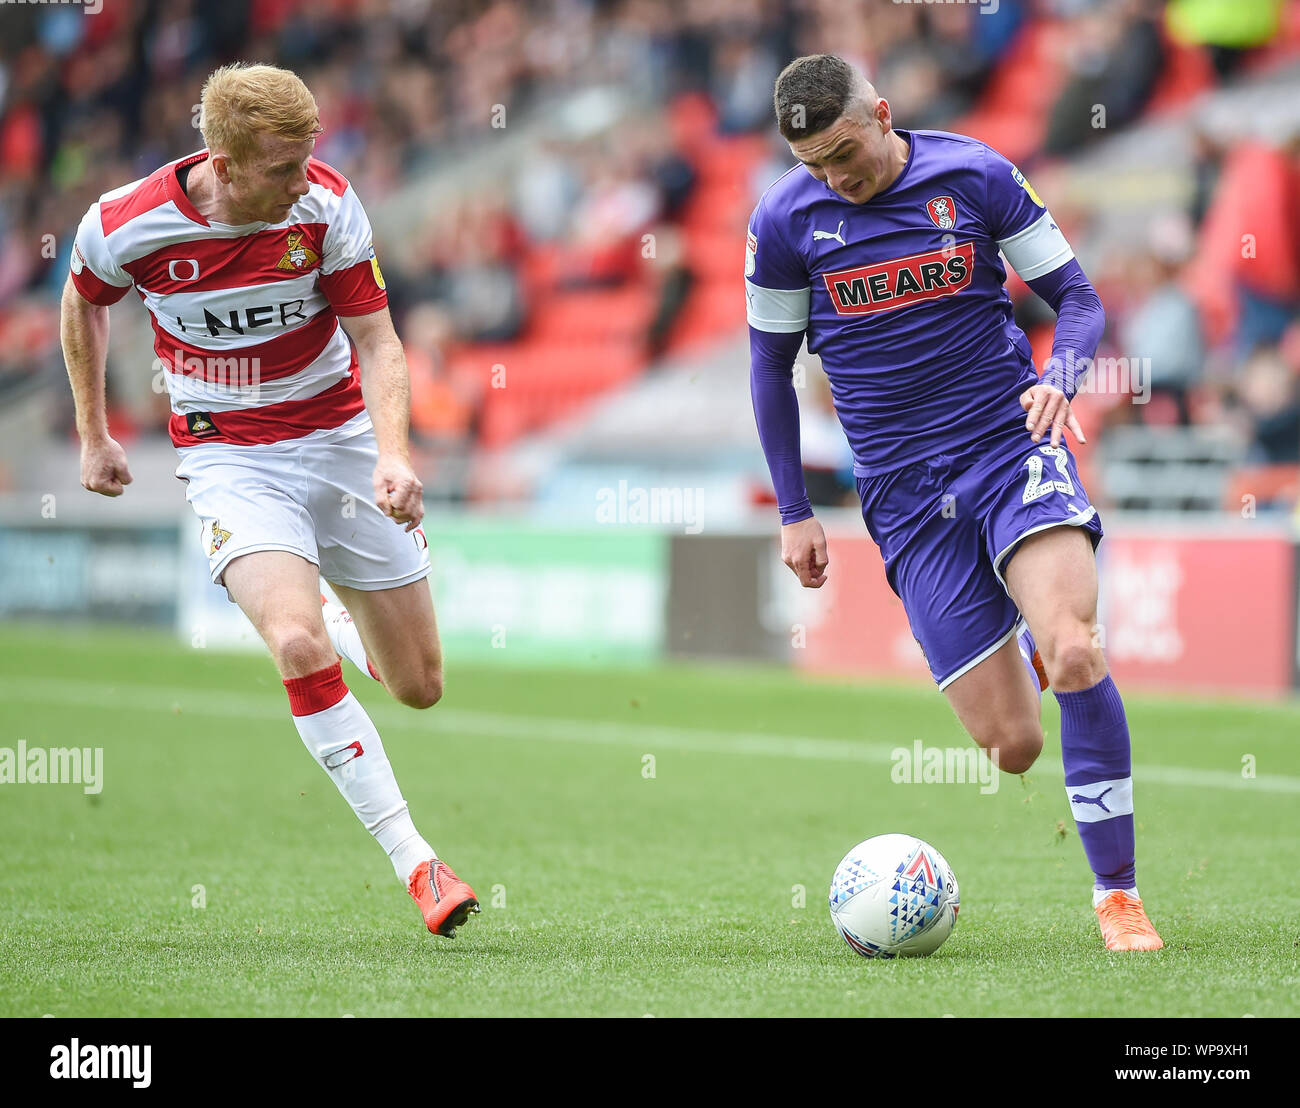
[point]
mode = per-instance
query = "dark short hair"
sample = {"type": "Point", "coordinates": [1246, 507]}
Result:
{"type": "Point", "coordinates": [811, 93]}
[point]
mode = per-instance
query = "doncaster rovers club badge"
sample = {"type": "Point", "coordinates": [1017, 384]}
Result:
{"type": "Point", "coordinates": [297, 256]}
{"type": "Point", "coordinates": [219, 537]}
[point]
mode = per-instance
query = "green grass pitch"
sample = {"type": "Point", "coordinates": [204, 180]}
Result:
{"type": "Point", "coordinates": [612, 884]}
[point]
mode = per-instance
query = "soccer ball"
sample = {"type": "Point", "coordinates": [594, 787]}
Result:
{"type": "Point", "coordinates": [893, 895]}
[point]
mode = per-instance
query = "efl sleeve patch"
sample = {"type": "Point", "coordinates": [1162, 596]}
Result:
{"type": "Point", "coordinates": [350, 275]}
{"type": "Point", "coordinates": [1011, 204]}
{"type": "Point", "coordinates": [356, 290]}
{"type": "Point", "coordinates": [348, 238]}
{"type": "Point", "coordinates": [1024, 184]}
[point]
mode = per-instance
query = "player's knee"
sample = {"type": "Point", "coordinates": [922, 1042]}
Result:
{"type": "Point", "coordinates": [297, 647]}
{"type": "Point", "coordinates": [423, 691]}
{"type": "Point", "coordinates": [1020, 757]}
{"type": "Point", "coordinates": [1073, 661]}
{"type": "Point", "coordinates": [1018, 747]}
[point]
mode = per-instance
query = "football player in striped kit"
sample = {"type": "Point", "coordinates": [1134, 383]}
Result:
{"type": "Point", "coordinates": [290, 407]}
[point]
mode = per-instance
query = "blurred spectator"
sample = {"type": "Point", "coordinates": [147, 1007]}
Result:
{"type": "Point", "coordinates": [1114, 55]}
{"type": "Point", "coordinates": [1245, 277]}
{"type": "Point", "coordinates": [443, 411]}
{"type": "Point", "coordinates": [471, 269]}
{"type": "Point", "coordinates": [616, 207]}
{"type": "Point", "coordinates": [88, 103]}
{"type": "Point", "coordinates": [827, 458]}
{"type": "Point", "coordinates": [1265, 404]}
{"type": "Point", "coordinates": [744, 73]}
{"type": "Point", "coordinates": [1228, 30]}
{"type": "Point", "coordinates": [673, 282]}
{"type": "Point", "coordinates": [546, 190]}
{"type": "Point", "coordinates": [668, 169]}
{"type": "Point", "coordinates": [1207, 163]}
{"type": "Point", "coordinates": [934, 75]}
{"type": "Point", "coordinates": [1161, 326]}
{"type": "Point", "coordinates": [776, 161]}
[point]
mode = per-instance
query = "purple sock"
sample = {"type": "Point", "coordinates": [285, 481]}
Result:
{"type": "Point", "coordinates": [1098, 780]}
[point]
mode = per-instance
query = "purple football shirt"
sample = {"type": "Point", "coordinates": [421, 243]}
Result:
{"type": "Point", "coordinates": [903, 297]}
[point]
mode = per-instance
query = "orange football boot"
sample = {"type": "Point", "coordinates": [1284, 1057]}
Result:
{"type": "Point", "coordinates": [444, 899]}
{"type": "Point", "coordinates": [1124, 923]}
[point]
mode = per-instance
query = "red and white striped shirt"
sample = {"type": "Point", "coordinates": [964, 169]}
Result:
{"type": "Point", "coordinates": [245, 317]}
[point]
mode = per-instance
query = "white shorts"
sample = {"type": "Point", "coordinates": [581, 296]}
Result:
{"type": "Point", "coordinates": [311, 496]}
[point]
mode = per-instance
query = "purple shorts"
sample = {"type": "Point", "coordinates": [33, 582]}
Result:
{"type": "Point", "coordinates": [947, 527]}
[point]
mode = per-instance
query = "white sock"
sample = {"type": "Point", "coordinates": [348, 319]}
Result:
{"type": "Point", "coordinates": [345, 638]}
{"type": "Point", "coordinates": [344, 741]}
{"type": "Point", "coordinates": [1098, 895]}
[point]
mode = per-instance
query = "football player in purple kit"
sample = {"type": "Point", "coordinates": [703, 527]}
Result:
{"type": "Point", "coordinates": [882, 248]}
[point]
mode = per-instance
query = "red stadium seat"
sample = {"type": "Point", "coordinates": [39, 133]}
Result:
{"type": "Point", "coordinates": [715, 309]}
{"type": "Point", "coordinates": [541, 265]}
{"type": "Point", "coordinates": [718, 204]}
{"type": "Point", "coordinates": [592, 316]}
{"type": "Point", "coordinates": [1187, 73]}
{"type": "Point", "coordinates": [1272, 483]}
{"type": "Point", "coordinates": [693, 121]}
{"type": "Point", "coordinates": [713, 254]}
{"type": "Point", "coordinates": [731, 158]}
{"type": "Point", "coordinates": [1012, 114]}
{"type": "Point", "coordinates": [544, 382]}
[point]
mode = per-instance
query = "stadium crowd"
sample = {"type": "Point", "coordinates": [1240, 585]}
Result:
{"type": "Point", "coordinates": [88, 102]}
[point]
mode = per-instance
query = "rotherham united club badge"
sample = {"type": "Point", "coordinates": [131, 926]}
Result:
{"type": "Point", "coordinates": [943, 212]}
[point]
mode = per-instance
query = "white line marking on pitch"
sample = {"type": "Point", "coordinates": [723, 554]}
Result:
{"type": "Point", "coordinates": [162, 699]}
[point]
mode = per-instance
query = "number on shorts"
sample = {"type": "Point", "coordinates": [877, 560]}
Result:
{"type": "Point", "coordinates": [1036, 488]}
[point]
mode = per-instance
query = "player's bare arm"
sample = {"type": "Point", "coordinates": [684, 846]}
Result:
{"type": "Point", "coordinates": [83, 328]}
{"type": "Point", "coordinates": [386, 386]}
